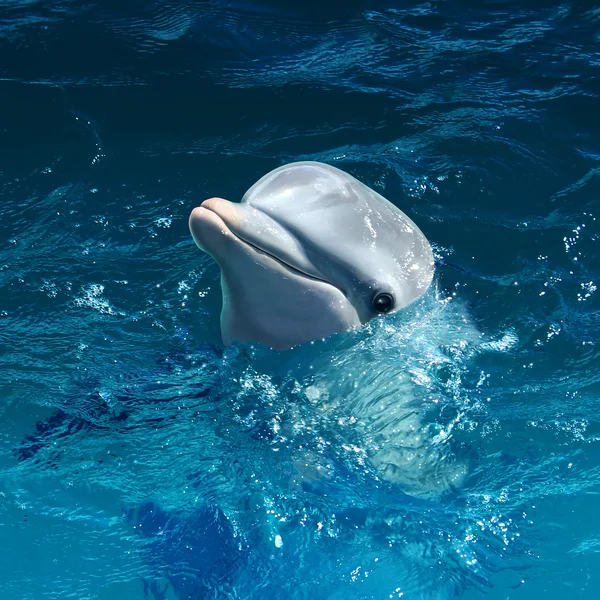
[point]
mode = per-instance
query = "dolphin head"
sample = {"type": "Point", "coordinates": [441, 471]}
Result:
{"type": "Point", "coordinates": [310, 251]}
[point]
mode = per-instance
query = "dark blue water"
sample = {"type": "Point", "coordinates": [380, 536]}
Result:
{"type": "Point", "coordinates": [140, 459]}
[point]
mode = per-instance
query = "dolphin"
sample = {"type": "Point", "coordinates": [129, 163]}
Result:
{"type": "Point", "coordinates": [310, 251]}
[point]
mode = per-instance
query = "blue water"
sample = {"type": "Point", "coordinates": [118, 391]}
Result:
{"type": "Point", "coordinates": [141, 459]}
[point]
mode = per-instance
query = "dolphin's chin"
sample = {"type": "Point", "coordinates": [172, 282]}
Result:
{"type": "Point", "coordinates": [266, 300]}
{"type": "Point", "coordinates": [287, 311]}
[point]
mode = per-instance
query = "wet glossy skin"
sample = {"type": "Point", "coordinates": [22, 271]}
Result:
{"type": "Point", "coordinates": [310, 251]}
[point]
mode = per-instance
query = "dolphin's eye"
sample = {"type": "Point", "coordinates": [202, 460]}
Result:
{"type": "Point", "coordinates": [383, 303]}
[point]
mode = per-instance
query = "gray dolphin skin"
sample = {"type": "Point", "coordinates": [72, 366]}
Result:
{"type": "Point", "coordinates": [310, 251]}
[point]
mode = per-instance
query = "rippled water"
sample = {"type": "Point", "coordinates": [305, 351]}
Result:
{"type": "Point", "coordinates": [140, 459]}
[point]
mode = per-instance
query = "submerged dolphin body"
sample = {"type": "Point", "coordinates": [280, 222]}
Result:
{"type": "Point", "coordinates": [310, 251]}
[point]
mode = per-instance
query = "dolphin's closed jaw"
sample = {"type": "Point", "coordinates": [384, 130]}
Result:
{"type": "Point", "coordinates": [265, 299]}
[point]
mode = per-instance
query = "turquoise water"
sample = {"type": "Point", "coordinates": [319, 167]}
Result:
{"type": "Point", "coordinates": [141, 459]}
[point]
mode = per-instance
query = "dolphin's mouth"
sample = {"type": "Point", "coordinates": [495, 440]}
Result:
{"type": "Point", "coordinates": [233, 231]}
{"type": "Point", "coordinates": [284, 264]}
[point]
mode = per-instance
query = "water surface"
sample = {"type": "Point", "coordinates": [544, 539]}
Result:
{"type": "Point", "coordinates": [140, 459]}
